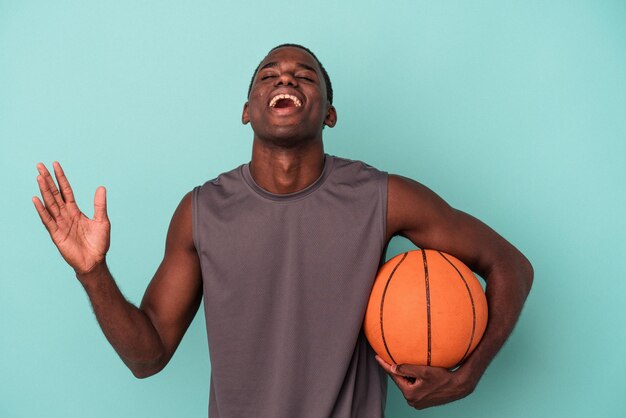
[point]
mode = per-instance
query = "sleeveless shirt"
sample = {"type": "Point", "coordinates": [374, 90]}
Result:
{"type": "Point", "coordinates": [286, 281]}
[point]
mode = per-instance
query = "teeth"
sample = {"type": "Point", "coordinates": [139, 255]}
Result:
{"type": "Point", "coordinates": [285, 96]}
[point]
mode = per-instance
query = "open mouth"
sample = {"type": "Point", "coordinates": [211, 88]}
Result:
{"type": "Point", "coordinates": [283, 101]}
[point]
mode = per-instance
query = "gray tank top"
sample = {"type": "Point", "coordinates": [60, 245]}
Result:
{"type": "Point", "coordinates": [286, 283]}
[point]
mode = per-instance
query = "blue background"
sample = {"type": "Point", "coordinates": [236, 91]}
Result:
{"type": "Point", "coordinates": [512, 111]}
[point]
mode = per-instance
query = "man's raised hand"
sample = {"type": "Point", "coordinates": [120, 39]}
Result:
{"type": "Point", "coordinates": [82, 242]}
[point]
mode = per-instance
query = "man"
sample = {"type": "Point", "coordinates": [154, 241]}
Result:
{"type": "Point", "coordinates": [284, 250]}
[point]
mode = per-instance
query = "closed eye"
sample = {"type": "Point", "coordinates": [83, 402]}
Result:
{"type": "Point", "coordinates": [305, 75]}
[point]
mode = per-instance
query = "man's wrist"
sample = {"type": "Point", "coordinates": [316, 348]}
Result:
{"type": "Point", "coordinates": [91, 277]}
{"type": "Point", "coordinates": [469, 374]}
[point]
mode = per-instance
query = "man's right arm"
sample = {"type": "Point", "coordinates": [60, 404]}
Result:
{"type": "Point", "coordinates": [145, 337]}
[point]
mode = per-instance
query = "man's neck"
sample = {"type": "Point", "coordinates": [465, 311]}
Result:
{"type": "Point", "coordinates": [282, 170]}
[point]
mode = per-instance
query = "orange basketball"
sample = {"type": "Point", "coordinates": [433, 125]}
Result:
{"type": "Point", "coordinates": [426, 308]}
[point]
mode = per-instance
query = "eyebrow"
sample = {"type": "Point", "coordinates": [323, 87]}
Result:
{"type": "Point", "coordinates": [299, 64]}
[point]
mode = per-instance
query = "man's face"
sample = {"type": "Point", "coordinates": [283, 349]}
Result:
{"type": "Point", "coordinates": [288, 102]}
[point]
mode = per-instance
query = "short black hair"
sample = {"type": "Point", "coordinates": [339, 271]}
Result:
{"type": "Point", "coordinates": [329, 86]}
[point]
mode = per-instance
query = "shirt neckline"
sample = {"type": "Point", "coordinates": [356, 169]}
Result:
{"type": "Point", "coordinates": [288, 197]}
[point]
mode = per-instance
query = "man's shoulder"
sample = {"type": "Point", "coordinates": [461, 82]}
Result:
{"type": "Point", "coordinates": [352, 168]}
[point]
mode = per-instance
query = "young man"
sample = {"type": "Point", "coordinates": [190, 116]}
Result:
{"type": "Point", "coordinates": [284, 250]}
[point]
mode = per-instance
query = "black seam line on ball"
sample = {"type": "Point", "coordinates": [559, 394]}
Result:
{"type": "Point", "coordinates": [427, 288]}
{"type": "Point", "coordinates": [382, 303]}
{"type": "Point", "coordinates": [469, 292]}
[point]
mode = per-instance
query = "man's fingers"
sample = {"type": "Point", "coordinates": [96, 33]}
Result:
{"type": "Point", "coordinates": [100, 205]}
{"type": "Point", "coordinates": [53, 188]}
{"type": "Point", "coordinates": [407, 370]}
{"type": "Point", "coordinates": [46, 218]}
{"type": "Point", "coordinates": [386, 366]}
{"type": "Point", "coordinates": [48, 198]}
{"type": "Point", "coordinates": [392, 370]}
{"type": "Point", "coordinates": [405, 384]}
{"type": "Point", "coordinates": [64, 185]}
{"type": "Point", "coordinates": [49, 191]}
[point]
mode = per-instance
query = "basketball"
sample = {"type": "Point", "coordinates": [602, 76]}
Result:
{"type": "Point", "coordinates": [426, 308]}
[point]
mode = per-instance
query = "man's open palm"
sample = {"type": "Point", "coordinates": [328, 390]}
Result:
{"type": "Point", "coordinates": [82, 242]}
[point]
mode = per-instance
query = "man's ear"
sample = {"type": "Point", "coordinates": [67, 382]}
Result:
{"type": "Point", "coordinates": [245, 117]}
{"type": "Point", "coordinates": [331, 117]}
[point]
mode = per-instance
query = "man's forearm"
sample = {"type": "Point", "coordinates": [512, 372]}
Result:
{"type": "Point", "coordinates": [126, 327]}
{"type": "Point", "coordinates": [508, 285]}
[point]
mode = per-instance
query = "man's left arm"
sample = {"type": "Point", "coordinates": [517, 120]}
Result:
{"type": "Point", "coordinates": [417, 213]}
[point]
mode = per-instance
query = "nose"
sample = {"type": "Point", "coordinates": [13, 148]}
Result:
{"type": "Point", "coordinates": [286, 79]}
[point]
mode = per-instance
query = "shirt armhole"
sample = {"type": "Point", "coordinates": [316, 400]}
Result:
{"type": "Point", "coordinates": [194, 217]}
{"type": "Point", "coordinates": [383, 202]}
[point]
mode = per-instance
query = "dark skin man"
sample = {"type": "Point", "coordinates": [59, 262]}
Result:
{"type": "Point", "coordinates": [287, 156]}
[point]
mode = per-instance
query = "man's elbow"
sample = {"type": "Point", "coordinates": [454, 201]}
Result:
{"type": "Point", "coordinates": [516, 270]}
{"type": "Point", "coordinates": [146, 369]}
{"type": "Point", "coordinates": [527, 273]}
{"type": "Point", "coordinates": [142, 373]}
